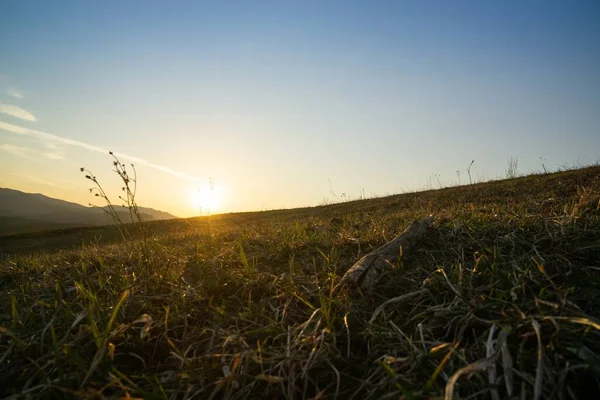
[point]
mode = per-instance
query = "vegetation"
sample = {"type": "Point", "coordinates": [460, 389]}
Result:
{"type": "Point", "coordinates": [500, 298]}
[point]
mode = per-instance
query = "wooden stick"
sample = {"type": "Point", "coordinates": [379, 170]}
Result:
{"type": "Point", "coordinates": [367, 271]}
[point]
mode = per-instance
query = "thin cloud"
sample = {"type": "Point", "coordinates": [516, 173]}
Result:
{"type": "Point", "coordinates": [35, 179]}
{"type": "Point", "coordinates": [53, 156]}
{"type": "Point", "coordinates": [18, 130]}
{"type": "Point", "coordinates": [16, 150]}
{"type": "Point", "coordinates": [17, 112]}
{"type": "Point", "coordinates": [29, 153]}
{"type": "Point", "coordinates": [12, 92]}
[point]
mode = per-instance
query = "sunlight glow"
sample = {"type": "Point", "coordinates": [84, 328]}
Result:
{"type": "Point", "coordinates": [206, 200]}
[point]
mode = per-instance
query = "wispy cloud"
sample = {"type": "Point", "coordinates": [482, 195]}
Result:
{"type": "Point", "coordinates": [34, 179]}
{"type": "Point", "coordinates": [16, 150]}
{"type": "Point", "coordinates": [54, 156]}
{"type": "Point", "coordinates": [18, 130]}
{"type": "Point", "coordinates": [29, 153]}
{"type": "Point", "coordinates": [16, 112]}
{"type": "Point", "coordinates": [13, 92]}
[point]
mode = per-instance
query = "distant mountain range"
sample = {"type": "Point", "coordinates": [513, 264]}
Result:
{"type": "Point", "coordinates": [22, 212]}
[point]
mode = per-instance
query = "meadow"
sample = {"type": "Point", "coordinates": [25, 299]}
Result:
{"type": "Point", "coordinates": [500, 299]}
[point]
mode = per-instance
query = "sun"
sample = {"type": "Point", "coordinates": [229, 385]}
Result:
{"type": "Point", "coordinates": [206, 199]}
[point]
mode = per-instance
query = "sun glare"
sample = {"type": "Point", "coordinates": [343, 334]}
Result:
{"type": "Point", "coordinates": [206, 199]}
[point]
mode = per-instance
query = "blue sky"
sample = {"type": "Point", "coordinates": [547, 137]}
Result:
{"type": "Point", "coordinates": [277, 99]}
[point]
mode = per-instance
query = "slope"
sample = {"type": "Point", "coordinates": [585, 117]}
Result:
{"type": "Point", "coordinates": [498, 300]}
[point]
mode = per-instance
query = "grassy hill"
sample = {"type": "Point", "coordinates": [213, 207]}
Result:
{"type": "Point", "coordinates": [500, 300]}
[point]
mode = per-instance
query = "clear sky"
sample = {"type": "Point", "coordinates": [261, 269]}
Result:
{"type": "Point", "coordinates": [275, 100]}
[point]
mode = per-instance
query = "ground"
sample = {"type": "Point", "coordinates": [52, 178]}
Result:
{"type": "Point", "coordinates": [501, 299]}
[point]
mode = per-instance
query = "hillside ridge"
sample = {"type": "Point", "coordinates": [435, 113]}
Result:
{"type": "Point", "coordinates": [22, 212]}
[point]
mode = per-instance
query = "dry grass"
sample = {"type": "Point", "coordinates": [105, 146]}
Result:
{"type": "Point", "coordinates": [500, 300]}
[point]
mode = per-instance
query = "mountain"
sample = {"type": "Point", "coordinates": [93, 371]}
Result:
{"type": "Point", "coordinates": [30, 212]}
{"type": "Point", "coordinates": [151, 213]}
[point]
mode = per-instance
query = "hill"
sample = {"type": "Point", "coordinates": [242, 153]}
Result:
{"type": "Point", "coordinates": [28, 212]}
{"type": "Point", "coordinates": [499, 299]}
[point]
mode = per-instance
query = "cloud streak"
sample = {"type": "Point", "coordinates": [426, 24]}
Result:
{"type": "Point", "coordinates": [29, 153]}
{"type": "Point", "coordinates": [16, 150]}
{"type": "Point", "coordinates": [45, 136]}
{"type": "Point", "coordinates": [12, 92]}
{"type": "Point", "coordinates": [17, 112]}
{"type": "Point", "coordinates": [35, 179]}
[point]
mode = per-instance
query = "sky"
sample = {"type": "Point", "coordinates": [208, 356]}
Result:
{"type": "Point", "coordinates": [285, 104]}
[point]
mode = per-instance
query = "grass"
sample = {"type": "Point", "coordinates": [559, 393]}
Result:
{"type": "Point", "coordinates": [499, 300]}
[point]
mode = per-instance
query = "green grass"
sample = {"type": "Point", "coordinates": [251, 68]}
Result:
{"type": "Point", "coordinates": [242, 305]}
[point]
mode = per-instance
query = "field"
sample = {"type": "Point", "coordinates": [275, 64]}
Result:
{"type": "Point", "coordinates": [501, 299]}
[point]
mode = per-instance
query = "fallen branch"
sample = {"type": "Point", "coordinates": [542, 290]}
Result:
{"type": "Point", "coordinates": [367, 271]}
